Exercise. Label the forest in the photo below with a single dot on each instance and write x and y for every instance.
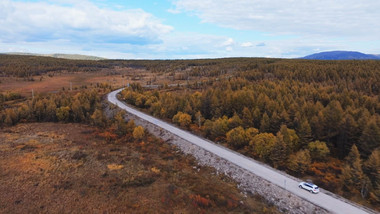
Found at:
(51, 141)
(317, 120)
(311, 118)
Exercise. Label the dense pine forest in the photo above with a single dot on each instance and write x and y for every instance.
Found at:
(310, 118)
(314, 119)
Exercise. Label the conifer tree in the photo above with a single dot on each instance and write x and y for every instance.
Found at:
(370, 138)
(372, 169)
(247, 118)
(279, 153)
(333, 115)
(318, 150)
(352, 173)
(265, 123)
(304, 133)
(348, 135)
(299, 162)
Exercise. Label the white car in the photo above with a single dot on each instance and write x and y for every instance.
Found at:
(309, 186)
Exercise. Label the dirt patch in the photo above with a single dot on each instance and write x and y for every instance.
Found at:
(68, 168)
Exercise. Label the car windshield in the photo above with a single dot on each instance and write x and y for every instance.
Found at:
(315, 187)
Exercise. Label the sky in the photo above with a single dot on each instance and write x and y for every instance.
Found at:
(187, 29)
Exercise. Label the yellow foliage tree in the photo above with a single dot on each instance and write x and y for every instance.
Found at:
(300, 161)
(263, 145)
(138, 133)
(318, 150)
(182, 119)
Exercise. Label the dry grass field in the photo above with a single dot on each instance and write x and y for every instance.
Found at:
(117, 77)
(69, 168)
(53, 84)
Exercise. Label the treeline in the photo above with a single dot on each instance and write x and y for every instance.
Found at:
(361, 76)
(83, 107)
(9, 96)
(27, 66)
(303, 128)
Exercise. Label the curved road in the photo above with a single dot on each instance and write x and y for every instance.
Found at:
(321, 199)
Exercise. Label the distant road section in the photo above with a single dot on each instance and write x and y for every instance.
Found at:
(321, 199)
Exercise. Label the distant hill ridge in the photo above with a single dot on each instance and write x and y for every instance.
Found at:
(342, 55)
(62, 56)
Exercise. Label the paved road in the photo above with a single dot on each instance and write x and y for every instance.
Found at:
(321, 199)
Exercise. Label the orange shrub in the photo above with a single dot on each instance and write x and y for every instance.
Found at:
(199, 201)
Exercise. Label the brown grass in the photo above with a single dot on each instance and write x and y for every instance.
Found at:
(117, 77)
(57, 82)
(68, 168)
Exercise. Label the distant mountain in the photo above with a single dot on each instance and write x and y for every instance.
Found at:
(62, 56)
(341, 55)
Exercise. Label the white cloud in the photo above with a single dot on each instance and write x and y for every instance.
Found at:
(229, 49)
(78, 22)
(178, 45)
(314, 17)
(246, 44)
(173, 11)
(193, 45)
(228, 42)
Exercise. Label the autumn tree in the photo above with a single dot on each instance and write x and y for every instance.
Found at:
(121, 126)
(274, 123)
(250, 133)
(25, 114)
(199, 118)
(77, 111)
(10, 117)
(39, 109)
(237, 138)
(299, 162)
(130, 126)
(247, 118)
(290, 138)
(263, 145)
(318, 150)
(182, 119)
(372, 169)
(234, 121)
(98, 118)
(370, 138)
(333, 115)
(265, 123)
(348, 135)
(317, 125)
(219, 127)
(50, 111)
(304, 133)
(279, 154)
(138, 133)
(352, 173)
(63, 113)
